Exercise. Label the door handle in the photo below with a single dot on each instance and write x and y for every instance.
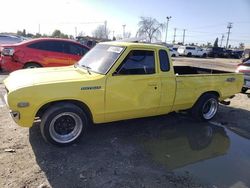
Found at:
(230, 79)
(152, 84)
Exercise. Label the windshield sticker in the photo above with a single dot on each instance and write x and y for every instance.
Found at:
(115, 49)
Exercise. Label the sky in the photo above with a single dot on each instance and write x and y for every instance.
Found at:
(202, 20)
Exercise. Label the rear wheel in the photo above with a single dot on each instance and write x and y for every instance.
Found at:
(206, 107)
(31, 65)
(189, 54)
(63, 124)
(204, 55)
(173, 55)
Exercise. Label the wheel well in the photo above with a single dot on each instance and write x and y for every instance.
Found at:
(210, 92)
(32, 62)
(80, 104)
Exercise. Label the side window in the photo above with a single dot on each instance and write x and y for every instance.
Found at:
(164, 61)
(77, 50)
(190, 48)
(54, 46)
(138, 62)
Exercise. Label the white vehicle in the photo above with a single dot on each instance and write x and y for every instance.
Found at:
(192, 51)
(9, 39)
(173, 53)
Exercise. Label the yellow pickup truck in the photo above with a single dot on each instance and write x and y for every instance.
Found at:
(114, 81)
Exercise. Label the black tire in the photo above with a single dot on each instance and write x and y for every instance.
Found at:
(206, 107)
(189, 54)
(173, 55)
(244, 90)
(204, 55)
(31, 65)
(63, 124)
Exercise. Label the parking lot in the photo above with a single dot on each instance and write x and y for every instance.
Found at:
(165, 151)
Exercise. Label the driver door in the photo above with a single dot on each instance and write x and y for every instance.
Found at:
(133, 90)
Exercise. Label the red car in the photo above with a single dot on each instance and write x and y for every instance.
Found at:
(43, 52)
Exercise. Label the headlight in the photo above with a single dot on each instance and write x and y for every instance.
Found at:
(8, 51)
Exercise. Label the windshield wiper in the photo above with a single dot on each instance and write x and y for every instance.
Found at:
(87, 68)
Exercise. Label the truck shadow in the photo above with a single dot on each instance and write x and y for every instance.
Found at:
(235, 119)
(136, 152)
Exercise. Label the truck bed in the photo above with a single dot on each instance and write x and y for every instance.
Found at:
(184, 70)
(191, 82)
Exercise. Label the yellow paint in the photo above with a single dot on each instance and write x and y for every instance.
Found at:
(117, 97)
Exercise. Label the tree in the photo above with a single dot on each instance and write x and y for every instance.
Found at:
(101, 32)
(127, 35)
(241, 45)
(209, 44)
(216, 42)
(38, 35)
(149, 28)
(58, 34)
(24, 33)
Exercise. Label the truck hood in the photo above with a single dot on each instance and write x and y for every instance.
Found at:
(30, 77)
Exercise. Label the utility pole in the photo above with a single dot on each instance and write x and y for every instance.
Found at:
(75, 32)
(222, 37)
(105, 27)
(229, 26)
(168, 18)
(174, 35)
(183, 39)
(123, 30)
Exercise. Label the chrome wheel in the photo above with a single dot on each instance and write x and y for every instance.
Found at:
(65, 127)
(210, 108)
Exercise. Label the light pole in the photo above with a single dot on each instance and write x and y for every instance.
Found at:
(123, 30)
(168, 18)
(229, 26)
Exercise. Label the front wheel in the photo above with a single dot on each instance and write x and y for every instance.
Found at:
(206, 107)
(31, 66)
(204, 55)
(63, 124)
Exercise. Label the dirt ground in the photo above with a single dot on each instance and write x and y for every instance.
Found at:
(165, 151)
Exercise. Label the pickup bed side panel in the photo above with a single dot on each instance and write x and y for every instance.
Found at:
(191, 87)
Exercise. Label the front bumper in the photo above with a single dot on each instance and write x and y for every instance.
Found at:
(14, 114)
(7, 64)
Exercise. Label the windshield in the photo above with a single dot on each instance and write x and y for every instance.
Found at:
(101, 58)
